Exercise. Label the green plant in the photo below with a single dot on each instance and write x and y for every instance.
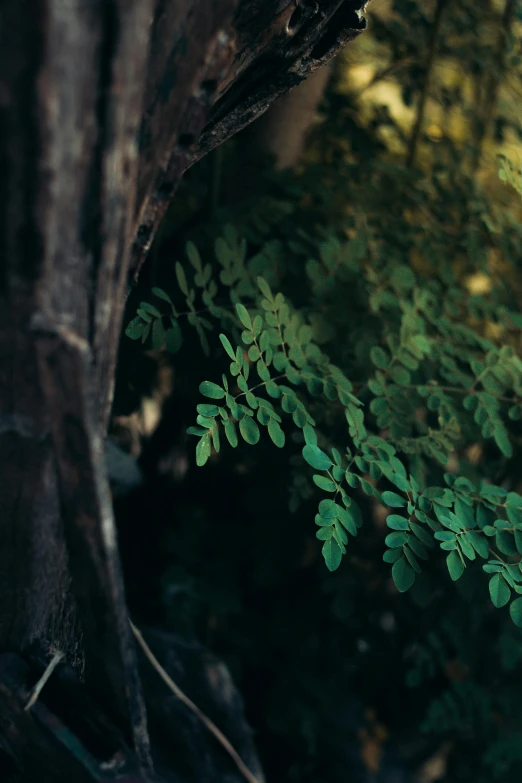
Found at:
(400, 292)
(510, 174)
(380, 374)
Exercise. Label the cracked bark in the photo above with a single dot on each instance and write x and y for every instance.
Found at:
(103, 105)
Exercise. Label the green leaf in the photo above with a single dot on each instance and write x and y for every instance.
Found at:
(403, 575)
(249, 430)
(514, 515)
(455, 565)
(158, 334)
(207, 410)
(401, 375)
(276, 433)
(501, 436)
(263, 416)
(231, 433)
(244, 317)
(252, 400)
(518, 541)
(324, 483)
(366, 487)
(379, 357)
(322, 521)
(151, 309)
(212, 390)
(499, 591)
(466, 548)
(470, 402)
(325, 533)
(316, 458)
(227, 346)
(396, 522)
(135, 329)
(300, 419)
(203, 421)
(421, 534)
(479, 544)
(434, 493)
(375, 387)
(328, 509)
(392, 555)
(514, 500)
(309, 435)
(215, 438)
(262, 370)
(203, 451)
(394, 540)
(493, 568)
(346, 519)
(339, 533)
(445, 535)
(181, 278)
(505, 542)
(193, 255)
(265, 288)
(515, 610)
(335, 452)
(174, 339)
(196, 431)
(332, 554)
(393, 499)
(412, 560)
(417, 547)
(161, 294)
(401, 482)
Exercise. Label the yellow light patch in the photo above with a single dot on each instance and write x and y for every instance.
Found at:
(478, 284)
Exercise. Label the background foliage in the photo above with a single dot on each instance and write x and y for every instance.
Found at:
(369, 307)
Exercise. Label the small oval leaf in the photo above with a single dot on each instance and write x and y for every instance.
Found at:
(332, 554)
(403, 575)
(316, 458)
(212, 390)
(499, 591)
(249, 430)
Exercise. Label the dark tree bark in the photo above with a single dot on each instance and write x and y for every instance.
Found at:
(103, 105)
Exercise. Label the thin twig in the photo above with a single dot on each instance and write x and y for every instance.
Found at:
(57, 657)
(176, 690)
(421, 108)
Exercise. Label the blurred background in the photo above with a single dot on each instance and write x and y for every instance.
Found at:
(343, 678)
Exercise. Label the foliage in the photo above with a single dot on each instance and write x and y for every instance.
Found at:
(401, 356)
(361, 318)
(510, 174)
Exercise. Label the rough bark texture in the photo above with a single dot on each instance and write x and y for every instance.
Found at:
(66, 739)
(103, 105)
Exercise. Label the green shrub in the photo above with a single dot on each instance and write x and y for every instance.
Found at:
(380, 371)
(363, 318)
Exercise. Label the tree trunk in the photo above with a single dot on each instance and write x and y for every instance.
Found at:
(283, 128)
(103, 105)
